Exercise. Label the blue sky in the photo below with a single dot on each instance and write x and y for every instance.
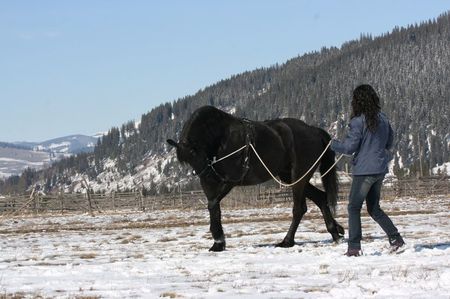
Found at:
(69, 67)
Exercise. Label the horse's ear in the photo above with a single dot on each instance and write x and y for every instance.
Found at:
(172, 142)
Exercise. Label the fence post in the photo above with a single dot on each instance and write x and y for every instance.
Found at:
(258, 198)
(113, 195)
(141, 197)
(138, 199)
(181, 197)
(88, 196)
(34, 199)
(61, 198)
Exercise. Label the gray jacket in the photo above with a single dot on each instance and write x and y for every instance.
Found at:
(371, 151)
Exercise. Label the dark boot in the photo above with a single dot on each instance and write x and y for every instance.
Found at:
(353, 252)
(396, 242)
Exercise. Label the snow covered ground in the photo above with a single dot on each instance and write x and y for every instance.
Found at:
(165, 254)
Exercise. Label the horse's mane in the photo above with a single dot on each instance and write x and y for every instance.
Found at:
(205, 129)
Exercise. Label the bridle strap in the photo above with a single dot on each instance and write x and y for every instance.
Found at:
(246, 165)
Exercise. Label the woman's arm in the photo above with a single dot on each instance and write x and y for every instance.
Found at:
(351, 143)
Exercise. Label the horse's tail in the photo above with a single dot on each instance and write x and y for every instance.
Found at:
(330, 180)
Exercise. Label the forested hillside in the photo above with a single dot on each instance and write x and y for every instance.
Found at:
(409, 67)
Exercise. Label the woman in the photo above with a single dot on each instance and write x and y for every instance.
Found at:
(369, 139)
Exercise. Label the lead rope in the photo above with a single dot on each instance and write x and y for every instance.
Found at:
(334, 164)
(214, 161)
(292, 184)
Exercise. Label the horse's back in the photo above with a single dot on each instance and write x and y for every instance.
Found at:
(306, 141)
(301, 130)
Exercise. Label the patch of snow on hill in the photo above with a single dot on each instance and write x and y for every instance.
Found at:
(61, 147)
(157, 170)
(443, 169)
(14, 161)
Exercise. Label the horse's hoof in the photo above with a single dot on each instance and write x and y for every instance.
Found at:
(217, 247)
(286, 244)
(340, 229)
(339, 240)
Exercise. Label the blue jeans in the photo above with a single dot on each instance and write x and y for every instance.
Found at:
(366, 187)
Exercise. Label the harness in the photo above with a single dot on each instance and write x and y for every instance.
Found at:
(249, 136)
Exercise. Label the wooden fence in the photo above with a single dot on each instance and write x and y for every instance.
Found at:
(254, 196)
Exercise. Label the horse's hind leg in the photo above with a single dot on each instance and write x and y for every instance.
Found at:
(320, 199)
(298, 211)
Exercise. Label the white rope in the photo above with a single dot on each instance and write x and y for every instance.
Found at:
(214, 161)
(292, 184)
(271, 174)
(336, 162)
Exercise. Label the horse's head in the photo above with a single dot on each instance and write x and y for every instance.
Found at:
(201, 136)
(190, 154)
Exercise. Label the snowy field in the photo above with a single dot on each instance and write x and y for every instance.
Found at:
(165, 254)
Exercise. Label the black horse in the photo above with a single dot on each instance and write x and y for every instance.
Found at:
(288, 147)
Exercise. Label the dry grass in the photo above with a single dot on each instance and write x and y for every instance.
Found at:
(323, 269)
(170, 295)
(14, 296)
(170, 222)
(317, 289)
(130, 239)
(88, 255)
(134, 238)
(21, 295)
(167, 239)
(49, 264)
(138, 256)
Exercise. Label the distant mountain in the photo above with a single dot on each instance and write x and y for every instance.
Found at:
(14, 160)
(17, 156)
(14, 145)
(72, 144)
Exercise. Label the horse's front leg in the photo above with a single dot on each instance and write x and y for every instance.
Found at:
(215, 221)
(215, 192)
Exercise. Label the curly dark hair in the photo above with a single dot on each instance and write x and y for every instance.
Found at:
(366, 101)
